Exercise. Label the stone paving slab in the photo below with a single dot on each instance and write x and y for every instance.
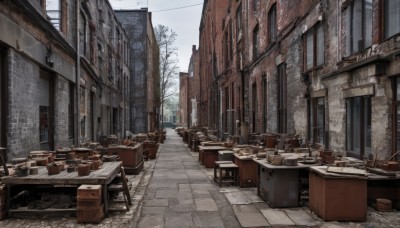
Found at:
(153, 210)
(277, 217)
(207, 219)
(205, 204)
(301, 218)
(237, 198)
(249, 216)
(148, 221)
(178, 220)
(156, 203)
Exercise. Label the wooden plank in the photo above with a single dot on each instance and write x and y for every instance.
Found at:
(346, 170)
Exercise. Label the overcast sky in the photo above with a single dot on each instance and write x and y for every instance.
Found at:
(185, 21)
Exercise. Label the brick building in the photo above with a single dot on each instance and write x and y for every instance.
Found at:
(189, 91)
(65, 74)
(324, 68)
(144, 63)
(210, 43)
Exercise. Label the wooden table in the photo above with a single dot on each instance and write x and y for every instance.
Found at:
(338, 197)
(209, 154)
(279, 185)
(247, 171)
(103, 176)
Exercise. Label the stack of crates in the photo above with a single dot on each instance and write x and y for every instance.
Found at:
(90, 208)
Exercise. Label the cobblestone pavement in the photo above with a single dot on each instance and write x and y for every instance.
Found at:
(175, 191)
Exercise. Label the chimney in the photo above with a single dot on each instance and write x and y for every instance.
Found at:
(193, 48)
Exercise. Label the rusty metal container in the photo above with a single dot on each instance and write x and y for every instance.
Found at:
(338, 198)
(279, 187)
(83, 169)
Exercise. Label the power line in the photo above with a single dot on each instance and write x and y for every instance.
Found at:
(177, 8)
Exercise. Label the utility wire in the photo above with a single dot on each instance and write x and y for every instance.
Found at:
(177, 8)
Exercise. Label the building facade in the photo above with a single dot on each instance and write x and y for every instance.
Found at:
(189, 90)
(145, 94)
(326, 69)
(65, 74)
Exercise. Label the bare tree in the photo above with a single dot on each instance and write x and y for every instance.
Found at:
(166, 39)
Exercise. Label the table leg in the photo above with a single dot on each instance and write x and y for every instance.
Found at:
(105, 198)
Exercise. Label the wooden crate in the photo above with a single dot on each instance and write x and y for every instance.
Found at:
(95, 215)
(89, 191)
(85, 203)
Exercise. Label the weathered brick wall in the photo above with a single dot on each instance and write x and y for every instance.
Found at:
(23, 116)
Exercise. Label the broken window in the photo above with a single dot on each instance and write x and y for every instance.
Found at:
(314, 47)
(392, 17)
(358, 26)
(272, 25)
(255, 42)
(316, 120)
(282, 96)
(358, 127)
(53, 10)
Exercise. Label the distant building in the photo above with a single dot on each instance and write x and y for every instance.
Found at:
(189, 91)
(145, 84)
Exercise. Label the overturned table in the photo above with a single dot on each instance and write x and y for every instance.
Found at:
(102, 176)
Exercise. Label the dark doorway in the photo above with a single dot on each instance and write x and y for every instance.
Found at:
(46, 110)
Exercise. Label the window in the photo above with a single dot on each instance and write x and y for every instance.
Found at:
(71, 112)
(272, 24)
(264, 95)
(3, 104)
(392, 17)
(396, 109)
(255, 42)
(254, 106)
(282, 128)
(53, 10)
(44, 107)
(358, 26)
(255, 4)
(239, 23)
(316, 120)
(83, 34)
(226, 108)
(230, 39)
(358, 127)
(314, 47)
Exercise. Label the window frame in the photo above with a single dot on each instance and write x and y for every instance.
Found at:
(365, 113)
(256, 42)
(349, 37)
(239, 23)
(282, 98)
(316, 131)
(316, 52)
(386, 17)
(272, 24)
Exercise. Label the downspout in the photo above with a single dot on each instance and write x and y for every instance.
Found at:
(78, 66)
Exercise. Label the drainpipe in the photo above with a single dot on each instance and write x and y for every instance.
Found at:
(77, 79)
